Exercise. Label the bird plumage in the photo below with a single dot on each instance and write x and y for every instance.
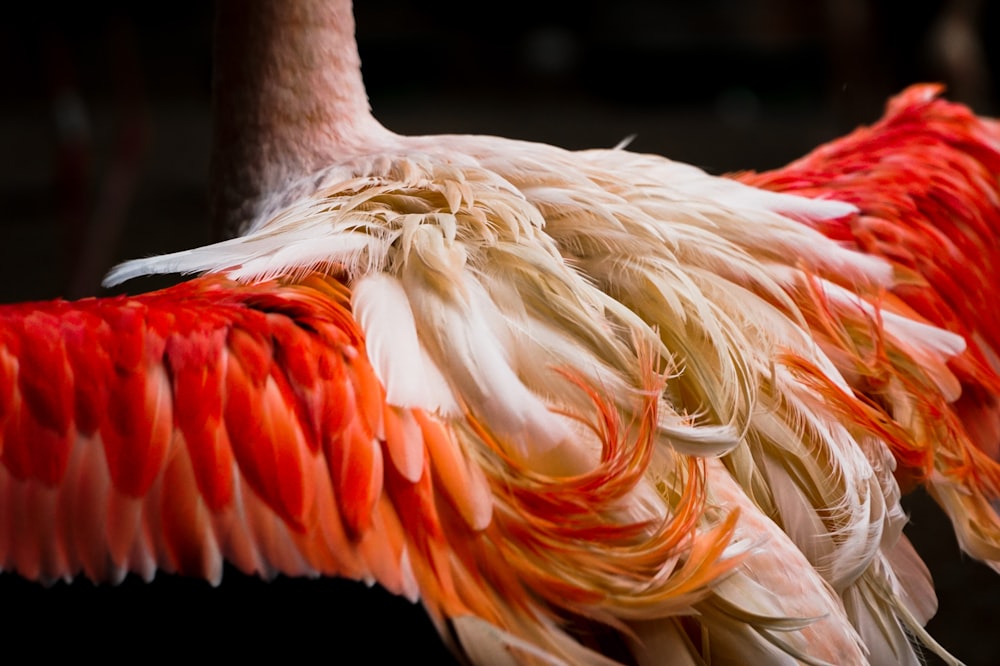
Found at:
(558, 397)
(938, 229)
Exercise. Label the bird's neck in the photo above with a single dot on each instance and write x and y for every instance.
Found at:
(288, 98)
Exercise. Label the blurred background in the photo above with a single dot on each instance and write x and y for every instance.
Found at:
(104, 136)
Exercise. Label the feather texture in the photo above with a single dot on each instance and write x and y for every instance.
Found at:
(559, 398)
(938, 228)
(581, 260)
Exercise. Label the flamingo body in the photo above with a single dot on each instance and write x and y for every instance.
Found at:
(583, 406)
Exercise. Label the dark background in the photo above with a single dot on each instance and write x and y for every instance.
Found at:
(104, 134)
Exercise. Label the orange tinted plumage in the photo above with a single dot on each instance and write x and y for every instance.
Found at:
(437, 367)
(924, 181)
(243, 423)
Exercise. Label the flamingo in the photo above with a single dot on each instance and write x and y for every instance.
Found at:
(583, 406)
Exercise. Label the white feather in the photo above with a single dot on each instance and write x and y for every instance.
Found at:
(478, 369)
(918, 334)
(410, 377)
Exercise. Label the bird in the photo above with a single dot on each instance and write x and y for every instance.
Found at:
(583, 406)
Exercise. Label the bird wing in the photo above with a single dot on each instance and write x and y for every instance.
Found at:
(924, 182)
(205, 422)
(222, 422)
